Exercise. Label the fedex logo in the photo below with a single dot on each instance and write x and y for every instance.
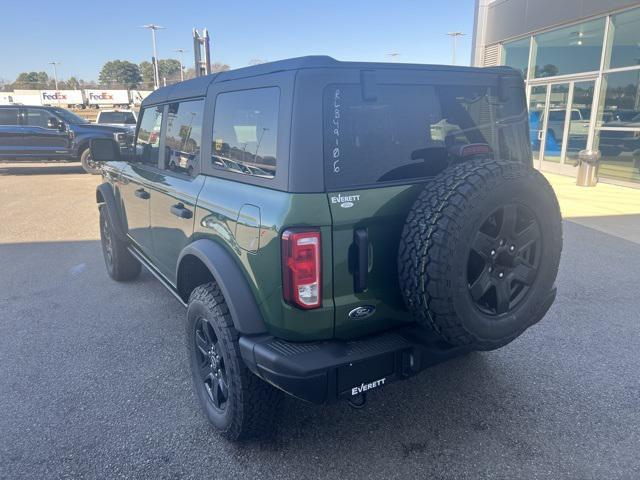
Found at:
(100, 96)
(53, 96)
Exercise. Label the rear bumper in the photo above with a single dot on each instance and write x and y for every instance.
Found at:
(323, 372)
(327, 371)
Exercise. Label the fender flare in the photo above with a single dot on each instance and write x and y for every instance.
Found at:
(243, 308)
(104, 195)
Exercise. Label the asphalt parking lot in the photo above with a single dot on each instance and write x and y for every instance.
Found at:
(94, 379)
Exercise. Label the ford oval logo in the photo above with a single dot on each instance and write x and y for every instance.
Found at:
(362, 312)
(346, 204)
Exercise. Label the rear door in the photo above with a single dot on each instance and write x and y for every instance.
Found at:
(382, 142)
(10, 132)
(39, 138)
(179, 183)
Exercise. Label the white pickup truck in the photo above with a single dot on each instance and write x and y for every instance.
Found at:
(578, 126)
(118, 118)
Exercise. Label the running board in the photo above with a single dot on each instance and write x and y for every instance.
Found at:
(141, 258)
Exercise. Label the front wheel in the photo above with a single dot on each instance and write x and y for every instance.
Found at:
(88, 164)
(120, 263)
(236, 402)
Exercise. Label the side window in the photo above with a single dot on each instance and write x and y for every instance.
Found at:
(184, 136)
(147, 148)
(245, 132)
(37, 117)
(8, 116)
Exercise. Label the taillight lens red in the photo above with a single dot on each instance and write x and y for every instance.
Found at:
(301, 268)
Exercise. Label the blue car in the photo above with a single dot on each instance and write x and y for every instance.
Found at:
(37, 132)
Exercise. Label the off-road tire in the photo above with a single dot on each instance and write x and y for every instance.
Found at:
(121, 265)
(87, 164)
(252, 404)
(434, 252)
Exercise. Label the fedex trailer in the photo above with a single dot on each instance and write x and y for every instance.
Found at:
(62, 98)
(6, 98)
(27, 97)
(113, 98)
(137, 96)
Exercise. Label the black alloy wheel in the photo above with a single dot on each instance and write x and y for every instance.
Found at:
(504, 259)
(212, 369)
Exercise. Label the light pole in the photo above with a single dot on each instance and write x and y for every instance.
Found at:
(55, 73)
(180, 51)
(55, 78)
(156, 74)
(454, 36)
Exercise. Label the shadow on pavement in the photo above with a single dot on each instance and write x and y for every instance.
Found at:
(625, 226)
(559, 402)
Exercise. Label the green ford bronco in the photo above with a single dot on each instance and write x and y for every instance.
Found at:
(332, 227)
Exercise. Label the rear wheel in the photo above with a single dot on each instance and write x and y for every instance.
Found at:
(480, 252)
(236, 402)
(88, 164)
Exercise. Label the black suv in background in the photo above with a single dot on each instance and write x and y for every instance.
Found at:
(36, 132)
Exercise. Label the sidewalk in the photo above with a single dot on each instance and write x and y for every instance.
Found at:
(608, 208)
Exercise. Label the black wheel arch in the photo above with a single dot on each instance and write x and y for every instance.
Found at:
(82, 146)
(205, 260)
(106, 196)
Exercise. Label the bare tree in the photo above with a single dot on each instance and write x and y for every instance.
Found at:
(219, 67)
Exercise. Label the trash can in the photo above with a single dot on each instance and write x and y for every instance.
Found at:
(588, 162)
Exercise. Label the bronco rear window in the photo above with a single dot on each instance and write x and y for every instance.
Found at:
(409, 132)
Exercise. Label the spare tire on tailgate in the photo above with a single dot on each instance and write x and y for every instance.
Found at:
(479, 252)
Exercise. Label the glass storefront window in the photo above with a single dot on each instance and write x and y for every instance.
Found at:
(625, 48)
(574, 49)
(621, 104)
(516, 55)
(620, 154)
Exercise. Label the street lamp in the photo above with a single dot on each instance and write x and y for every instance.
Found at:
(55, 73)
(393, 55)
(55, 79)
(181, 51)
(156, 73)
(454, 36)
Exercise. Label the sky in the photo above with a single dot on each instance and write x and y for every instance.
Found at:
(83, 35)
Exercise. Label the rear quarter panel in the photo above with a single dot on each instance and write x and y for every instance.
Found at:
(220, 217)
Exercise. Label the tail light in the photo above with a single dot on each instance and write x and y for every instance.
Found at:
(301, 268)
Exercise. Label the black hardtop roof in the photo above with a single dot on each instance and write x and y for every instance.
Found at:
(197, 87)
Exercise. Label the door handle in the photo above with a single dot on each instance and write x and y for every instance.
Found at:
(361, 242)
(179, 210)
(540, 135)
(142, 193)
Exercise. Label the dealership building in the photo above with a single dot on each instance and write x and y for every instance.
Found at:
(581, 63)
